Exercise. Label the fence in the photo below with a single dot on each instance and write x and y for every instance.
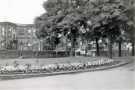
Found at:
(115, 53)
(50, 54)
(32, 54)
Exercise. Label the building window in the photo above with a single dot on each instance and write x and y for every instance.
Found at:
(34, 30)
(3, 31)
(2, 44)
(29, 31)
(29, 45)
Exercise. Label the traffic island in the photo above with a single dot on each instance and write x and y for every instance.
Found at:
(28, 71)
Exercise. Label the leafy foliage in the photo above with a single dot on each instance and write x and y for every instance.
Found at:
(89, 19)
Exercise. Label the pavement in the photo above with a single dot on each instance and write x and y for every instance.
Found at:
(120, 78)
(103, 80)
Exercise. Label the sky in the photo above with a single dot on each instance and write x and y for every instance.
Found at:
(20, 11)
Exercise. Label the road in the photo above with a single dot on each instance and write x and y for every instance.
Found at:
(121, 78)
(128, 67)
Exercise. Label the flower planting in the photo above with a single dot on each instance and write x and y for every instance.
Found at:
(17, 68)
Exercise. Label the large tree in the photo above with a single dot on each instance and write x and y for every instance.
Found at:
(109, 16)
(131, 24)
(68, 17)
(128, 27)
(63, 17)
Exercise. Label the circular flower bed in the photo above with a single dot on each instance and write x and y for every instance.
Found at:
(50, 68)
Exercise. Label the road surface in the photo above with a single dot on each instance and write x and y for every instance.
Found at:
(121, 78)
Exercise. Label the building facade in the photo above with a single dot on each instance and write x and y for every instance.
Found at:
(8, 35)
(26, 37)
(20, 37)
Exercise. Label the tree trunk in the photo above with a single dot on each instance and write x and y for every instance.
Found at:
(86, 48)
(72, 52)
(67, 52)
(110, 47)
(133, 49)
(97, 47)
(119, 49)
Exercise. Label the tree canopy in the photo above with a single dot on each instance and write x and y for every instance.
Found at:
(88, 18)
